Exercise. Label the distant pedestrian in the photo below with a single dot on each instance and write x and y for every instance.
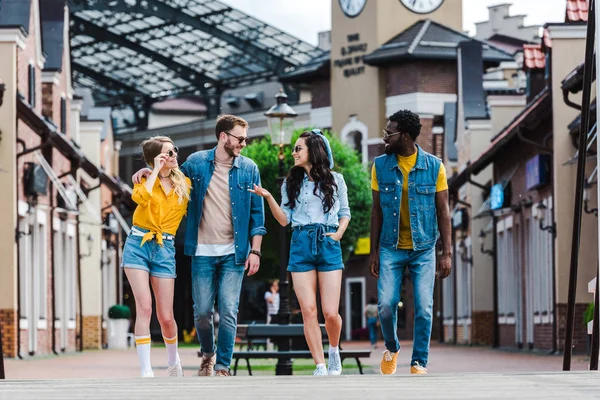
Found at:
(372, 321)
(272, 300)
(149, 251)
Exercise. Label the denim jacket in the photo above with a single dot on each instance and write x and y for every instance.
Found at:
(299, 215)
(421, 201)
(247, 209)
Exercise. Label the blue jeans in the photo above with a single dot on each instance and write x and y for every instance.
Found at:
(392, 265)
(212, 276)
(372, 325)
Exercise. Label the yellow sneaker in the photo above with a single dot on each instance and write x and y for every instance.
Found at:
(388, 363)
(417, 369)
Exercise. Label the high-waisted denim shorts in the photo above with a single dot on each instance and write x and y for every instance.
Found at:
(311, 250)
(157, 260)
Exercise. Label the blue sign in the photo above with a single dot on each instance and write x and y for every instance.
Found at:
(497, 196)
(537, 171)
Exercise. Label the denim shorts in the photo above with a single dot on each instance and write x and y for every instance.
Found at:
(311, 250)
(157, 260)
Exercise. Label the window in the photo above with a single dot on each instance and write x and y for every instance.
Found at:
(63, 115)
(40, 268)
(25, 253)
(32, 85)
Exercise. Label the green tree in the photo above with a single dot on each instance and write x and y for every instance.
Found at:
(346, 162)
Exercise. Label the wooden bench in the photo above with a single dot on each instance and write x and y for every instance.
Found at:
(293, 333)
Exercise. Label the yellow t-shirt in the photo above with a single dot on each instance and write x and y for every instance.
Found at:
(406, 164)
(156, 211)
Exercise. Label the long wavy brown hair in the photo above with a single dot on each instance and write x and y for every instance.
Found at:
(320, 173)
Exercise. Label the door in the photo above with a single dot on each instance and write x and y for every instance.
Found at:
(355, 304)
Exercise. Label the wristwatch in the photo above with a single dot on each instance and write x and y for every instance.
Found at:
(257, 252)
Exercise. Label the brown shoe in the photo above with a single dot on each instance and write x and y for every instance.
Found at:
(222, 372)
(207, 366)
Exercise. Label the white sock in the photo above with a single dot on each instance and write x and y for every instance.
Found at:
(320, 366)
(172, 356)
(333, 349)
(143, 344)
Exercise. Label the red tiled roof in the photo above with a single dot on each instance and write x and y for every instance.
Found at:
(577, 11)
(534, 58)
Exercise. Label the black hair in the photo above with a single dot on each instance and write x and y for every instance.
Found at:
(320, 173)
(408, 122)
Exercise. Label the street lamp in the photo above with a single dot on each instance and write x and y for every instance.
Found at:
(541, 208)
(280, 118)
(482, 249)
(586, 198)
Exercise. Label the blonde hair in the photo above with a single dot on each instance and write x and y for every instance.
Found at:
(150, 149)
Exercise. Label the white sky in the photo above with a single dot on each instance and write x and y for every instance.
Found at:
(305, 18)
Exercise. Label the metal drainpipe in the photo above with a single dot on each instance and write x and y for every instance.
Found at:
(80, 297)
(17, 239)
(576, 233)
(496, 326)
(454, 287)
(53, 269)
(554, 300)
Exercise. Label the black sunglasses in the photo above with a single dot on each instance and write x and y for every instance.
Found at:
(173, 152)
(239, 138)
(296, 149)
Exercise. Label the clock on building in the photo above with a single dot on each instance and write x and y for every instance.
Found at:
(422, 6)
(352, 7)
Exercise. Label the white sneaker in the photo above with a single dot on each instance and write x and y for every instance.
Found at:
(175, 370)
(335, 363)
(320, 371)
(148, 374)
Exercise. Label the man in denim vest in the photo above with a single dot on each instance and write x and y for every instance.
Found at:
(410, 198)
(224, 230)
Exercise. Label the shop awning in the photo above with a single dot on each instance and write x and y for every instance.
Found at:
(120, 219)
(69, 149)
(89, 208)
(458, 180)
(486, 207)
(63, 192)
(538, 108)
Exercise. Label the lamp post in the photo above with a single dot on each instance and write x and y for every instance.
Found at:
(280, 118)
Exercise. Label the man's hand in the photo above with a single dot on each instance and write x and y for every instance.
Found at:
(252, 264)
(444, 266)
(142, 173)
(374, 265)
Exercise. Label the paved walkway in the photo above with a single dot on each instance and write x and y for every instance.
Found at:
(571, 385)
(456, 372)
(443, 359)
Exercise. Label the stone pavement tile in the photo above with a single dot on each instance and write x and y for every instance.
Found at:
(547, 386)
(442, 359)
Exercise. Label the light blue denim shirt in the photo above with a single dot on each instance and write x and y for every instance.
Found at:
(301, 214)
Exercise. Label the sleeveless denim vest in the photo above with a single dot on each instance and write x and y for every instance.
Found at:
(421, 199)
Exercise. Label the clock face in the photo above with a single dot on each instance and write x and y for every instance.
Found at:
(352, 7)
(422, 6)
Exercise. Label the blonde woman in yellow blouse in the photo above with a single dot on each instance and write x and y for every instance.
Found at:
(149, 251)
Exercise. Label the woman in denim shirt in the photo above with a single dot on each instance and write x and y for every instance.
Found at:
(315, 200)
